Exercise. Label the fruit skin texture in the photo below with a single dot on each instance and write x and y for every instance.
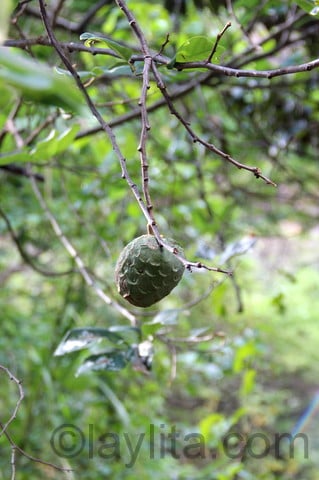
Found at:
(145, 272)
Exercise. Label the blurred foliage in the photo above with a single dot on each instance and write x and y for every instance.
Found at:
(231, 355)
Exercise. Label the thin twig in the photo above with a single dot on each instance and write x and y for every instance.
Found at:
(218, 38)
(145, 123)
(31, 457)
(144, 135)
(56, 12)
(162, 87)
(152, 226)
(235, 72)
(18, 403)
(210, 146)
(68, 46)
(108, 130)
(135, 113)
(232, 12)
(13, 462)
(105, 126)
(166, 42)
(36, 131)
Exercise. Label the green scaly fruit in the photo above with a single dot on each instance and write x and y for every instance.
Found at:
(145, 272)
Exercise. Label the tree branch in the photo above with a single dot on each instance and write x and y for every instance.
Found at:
(4, 430)
(234, 72)
(69, 46)
(125, 174)
(19, 401)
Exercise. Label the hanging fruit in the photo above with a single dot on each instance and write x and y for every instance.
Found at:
(146, 272)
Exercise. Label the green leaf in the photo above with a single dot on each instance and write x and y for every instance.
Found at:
(55, 143)
(91, 39)
(121, 69)
(112, 361)
(37, 82)
(194, 49)
(84, 75)
(243, 354)
(80, 338)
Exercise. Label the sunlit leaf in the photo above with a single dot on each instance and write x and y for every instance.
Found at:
(309, 6)
(194, 49)
(80, 338)
(119, 69)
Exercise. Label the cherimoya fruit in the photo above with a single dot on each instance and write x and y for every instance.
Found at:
(145, 272)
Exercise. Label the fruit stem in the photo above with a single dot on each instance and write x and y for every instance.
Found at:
(150, 229)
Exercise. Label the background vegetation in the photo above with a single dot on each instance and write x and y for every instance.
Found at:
(231, 353)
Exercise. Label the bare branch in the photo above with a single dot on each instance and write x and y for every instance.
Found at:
(161, 85)
(16, 447)
(68, 46)
(255, 170)
(135, 113)
(234, 72)
(125, 174)
(218, 39)
(105, 126)
(143, 138)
